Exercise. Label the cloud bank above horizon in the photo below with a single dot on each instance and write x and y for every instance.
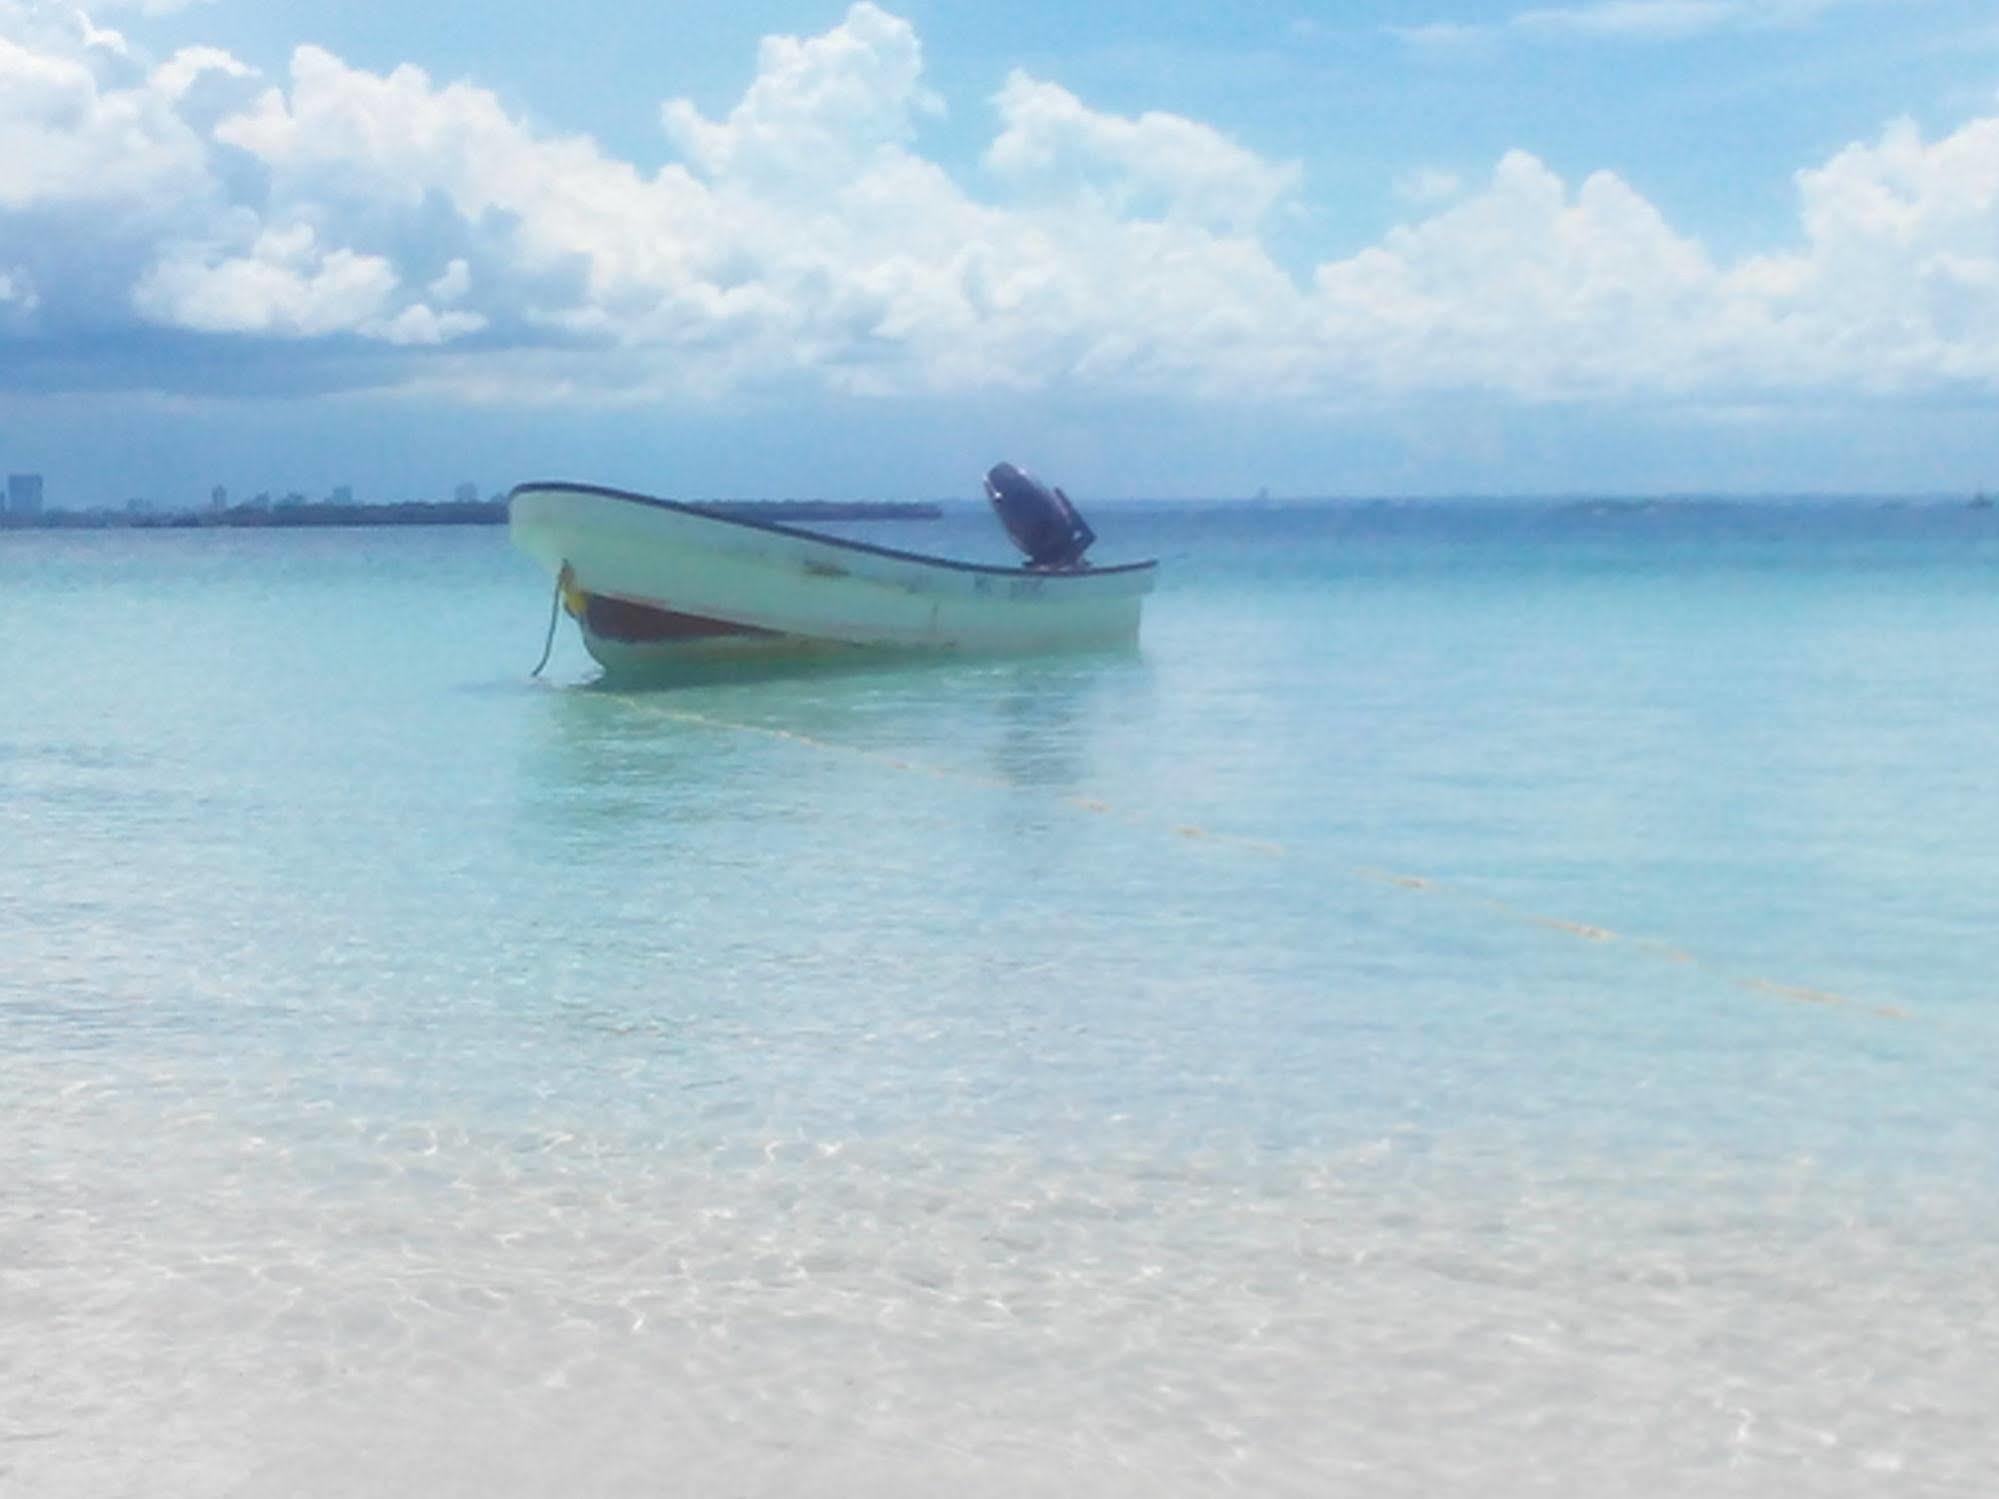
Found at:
(382, 231)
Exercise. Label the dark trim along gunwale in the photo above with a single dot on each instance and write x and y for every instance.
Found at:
(628, 497)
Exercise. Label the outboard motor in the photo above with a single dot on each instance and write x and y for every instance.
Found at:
(1041, 521)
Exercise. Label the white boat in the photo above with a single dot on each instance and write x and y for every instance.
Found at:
(657, 583)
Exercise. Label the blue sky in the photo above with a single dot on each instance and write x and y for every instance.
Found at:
(1366, 248)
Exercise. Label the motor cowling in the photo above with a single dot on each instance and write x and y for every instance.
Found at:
(1041, 520)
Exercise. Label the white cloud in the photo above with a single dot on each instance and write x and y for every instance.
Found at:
(149, 7)
(69, 136)
(1897, 282)
(175, 77)
(561, 237)
(454, 283)
(1428, 186)
(817, 108)
(285, 284)
(17, 292)
(420, 324)
(1643, 20)
(1619, 21)
(804, 236)
(1524, 286)
(1445, 37)
(1157, 165)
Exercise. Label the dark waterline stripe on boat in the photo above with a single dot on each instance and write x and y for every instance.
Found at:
(640, 624)
(558, 486)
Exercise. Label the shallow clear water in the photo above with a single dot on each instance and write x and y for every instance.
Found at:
(1487, 1000)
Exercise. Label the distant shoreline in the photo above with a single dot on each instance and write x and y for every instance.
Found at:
(292, 515)
(432, 513)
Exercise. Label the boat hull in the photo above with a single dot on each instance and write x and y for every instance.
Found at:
(654, 583)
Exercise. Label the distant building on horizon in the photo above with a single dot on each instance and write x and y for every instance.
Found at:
(343, 494)
(218, 497)
(466, 493)
(24, 494)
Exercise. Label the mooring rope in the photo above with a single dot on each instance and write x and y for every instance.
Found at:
(1649, 947)
(554, 617)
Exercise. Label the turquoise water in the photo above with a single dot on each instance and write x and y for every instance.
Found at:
(1487, 999)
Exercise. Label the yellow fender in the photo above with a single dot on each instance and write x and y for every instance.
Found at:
(574, 599)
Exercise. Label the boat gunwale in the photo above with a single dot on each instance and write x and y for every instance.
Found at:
(778, 528)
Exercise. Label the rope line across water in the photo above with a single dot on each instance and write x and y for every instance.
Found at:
(1651, 947)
